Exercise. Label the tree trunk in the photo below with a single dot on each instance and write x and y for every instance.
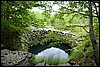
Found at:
(92, 36)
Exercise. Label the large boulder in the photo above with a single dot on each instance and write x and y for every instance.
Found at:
(64, 64)
(41, 64)
(15, 58)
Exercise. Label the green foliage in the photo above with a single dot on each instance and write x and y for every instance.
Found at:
(54, 38)
(37, 19)
(51, 60)
(96, 29)
(16, 16)
(33, 59)
(46, 14)
(26, 47)
(82, 51)
(76, 56)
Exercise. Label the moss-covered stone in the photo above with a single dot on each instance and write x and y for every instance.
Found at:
(51, 38)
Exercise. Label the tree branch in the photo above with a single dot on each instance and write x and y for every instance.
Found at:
(96, 2)
(96, 10)
(68, 9)
(92, 36)
(85, 29)
(54, 11)
(76, 11)
(84, 4)
(78, 26)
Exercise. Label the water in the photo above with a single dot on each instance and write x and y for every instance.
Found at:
(53, 51)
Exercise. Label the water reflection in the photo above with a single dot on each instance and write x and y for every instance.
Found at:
(53, 51)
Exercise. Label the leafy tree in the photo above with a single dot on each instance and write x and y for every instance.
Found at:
(87, 9)
(75, 16)
(15, 17)
(15, 14)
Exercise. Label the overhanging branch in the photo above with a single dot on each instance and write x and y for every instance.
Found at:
(67, 13)
(68, 9)
(78, 26)
(84, 29)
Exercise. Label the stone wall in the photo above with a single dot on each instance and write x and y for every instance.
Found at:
(15, 58)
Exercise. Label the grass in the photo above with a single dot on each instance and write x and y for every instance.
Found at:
(51, 60)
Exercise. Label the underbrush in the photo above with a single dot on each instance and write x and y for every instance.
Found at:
(51, 60)
(83, 54)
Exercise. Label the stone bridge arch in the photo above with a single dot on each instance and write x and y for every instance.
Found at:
(38, 48)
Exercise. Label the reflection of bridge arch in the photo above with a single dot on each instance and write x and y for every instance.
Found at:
(38, 48)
